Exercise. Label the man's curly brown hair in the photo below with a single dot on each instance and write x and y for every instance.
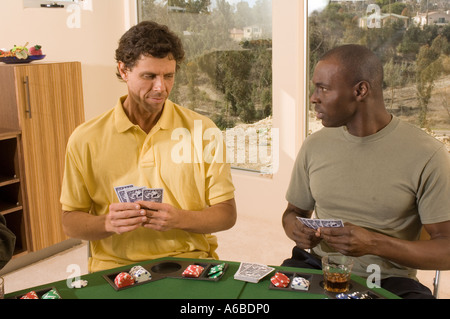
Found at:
(148, 38)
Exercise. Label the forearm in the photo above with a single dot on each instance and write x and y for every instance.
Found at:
(212, 219)
(426, 254)
(82, 225)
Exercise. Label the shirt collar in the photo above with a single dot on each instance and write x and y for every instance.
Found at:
(123, 123)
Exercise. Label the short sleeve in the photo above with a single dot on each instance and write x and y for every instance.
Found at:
(299, 192)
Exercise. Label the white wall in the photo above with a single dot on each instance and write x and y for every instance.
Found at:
(260, 199)
(93, 43)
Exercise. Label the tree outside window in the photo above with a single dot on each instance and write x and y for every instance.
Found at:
(413, 42)
(227, 74)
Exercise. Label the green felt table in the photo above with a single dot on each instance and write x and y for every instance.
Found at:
(183, 288)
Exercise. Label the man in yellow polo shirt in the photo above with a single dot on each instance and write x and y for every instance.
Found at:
(148, 141)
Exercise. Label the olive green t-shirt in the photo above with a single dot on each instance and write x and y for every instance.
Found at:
(390, 182)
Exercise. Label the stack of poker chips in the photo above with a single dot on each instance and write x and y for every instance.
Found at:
(123, 279)
(30, 295)
(216, 271)
(51, 294)
(280, 280)
(137, 274)
(140, 274)
(300, 283)
(354, 295)
(192, 271)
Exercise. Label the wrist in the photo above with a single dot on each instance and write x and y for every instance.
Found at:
(376, 244)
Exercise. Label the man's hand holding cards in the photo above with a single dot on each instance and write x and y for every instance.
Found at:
(131, 194)
(129, 214)
(317, 223)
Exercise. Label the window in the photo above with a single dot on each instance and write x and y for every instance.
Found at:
(227, 74)
(414, 50)
(52, 4)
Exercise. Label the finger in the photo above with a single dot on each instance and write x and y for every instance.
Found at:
(124, 206)
(335, 239)
(155, 224)
(151, 205)
(131, 221)
(333, 231)
(124, 214)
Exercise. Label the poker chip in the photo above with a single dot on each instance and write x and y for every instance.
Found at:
(79, 283)
(354, 295)
(31, 295)
(52, 294)
(216, 271)
(280, 280)
(192, 271)
(300, 283)
(216, 275)
(123, 279)
(140, 274)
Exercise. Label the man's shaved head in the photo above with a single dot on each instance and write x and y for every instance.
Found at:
(359, 63)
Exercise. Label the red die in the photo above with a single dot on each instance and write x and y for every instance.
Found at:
(124, 279)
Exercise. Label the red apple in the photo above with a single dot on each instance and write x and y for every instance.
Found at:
(36, 50)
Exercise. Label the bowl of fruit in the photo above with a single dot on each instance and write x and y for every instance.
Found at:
(21, 54)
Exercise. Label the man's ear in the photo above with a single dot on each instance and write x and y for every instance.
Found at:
(361, 90)
(122, 70)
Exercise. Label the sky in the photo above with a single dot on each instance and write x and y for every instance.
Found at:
(251, 2)
(316, 5)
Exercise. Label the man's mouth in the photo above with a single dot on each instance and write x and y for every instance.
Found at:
(319, 115)
(157, 99)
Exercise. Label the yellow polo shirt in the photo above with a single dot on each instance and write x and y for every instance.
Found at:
(178, 155)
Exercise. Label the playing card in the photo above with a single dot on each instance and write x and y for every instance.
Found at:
(121, 192)
(316, 223)
(332, 223)
(134, 194)
(130, 194)
(252, 272)
(153, 195)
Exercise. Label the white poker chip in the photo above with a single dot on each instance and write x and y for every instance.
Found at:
(300, 283)
(79, 283)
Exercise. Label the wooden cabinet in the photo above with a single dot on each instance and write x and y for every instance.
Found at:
(12, 206)
(44, 103)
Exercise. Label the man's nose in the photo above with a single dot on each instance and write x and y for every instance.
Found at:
(313, 99)
(158, 85)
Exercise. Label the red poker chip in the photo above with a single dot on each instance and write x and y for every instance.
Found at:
(123, 279)
(280, 280)
(31, 295)
(192, 271)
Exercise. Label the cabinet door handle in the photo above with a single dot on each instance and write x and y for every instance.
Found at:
(27, 90)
